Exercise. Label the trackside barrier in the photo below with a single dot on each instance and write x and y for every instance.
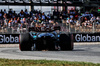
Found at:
(77, 37)
(9, 38)
(86, 37)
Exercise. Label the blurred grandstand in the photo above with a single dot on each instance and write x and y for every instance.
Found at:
(81, 20)
(71, 22)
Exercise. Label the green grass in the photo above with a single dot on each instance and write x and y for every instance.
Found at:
(7, 62)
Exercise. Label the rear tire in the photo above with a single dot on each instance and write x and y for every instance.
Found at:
(25, 44)
(66, 42)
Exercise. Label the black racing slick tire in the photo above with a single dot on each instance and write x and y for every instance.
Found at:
(66, 42)
(25, 44)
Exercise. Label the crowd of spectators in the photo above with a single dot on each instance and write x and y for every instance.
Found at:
(25, 18)
(86, 19)
(12, 18)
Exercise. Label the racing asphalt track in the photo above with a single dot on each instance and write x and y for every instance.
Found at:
(85, 53)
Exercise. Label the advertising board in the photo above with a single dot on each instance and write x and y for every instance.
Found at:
(86, 37)
(77, 37)
(9, 38)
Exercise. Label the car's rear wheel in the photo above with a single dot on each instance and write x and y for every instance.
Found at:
(66, 42)
(25, 44)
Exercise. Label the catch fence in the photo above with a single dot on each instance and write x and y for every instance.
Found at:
(65, 27)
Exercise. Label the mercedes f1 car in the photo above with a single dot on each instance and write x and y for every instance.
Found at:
(46, 38)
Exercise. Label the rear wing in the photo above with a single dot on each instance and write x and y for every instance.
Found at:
(44, 29)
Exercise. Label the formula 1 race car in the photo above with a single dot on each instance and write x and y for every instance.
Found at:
(45, 38)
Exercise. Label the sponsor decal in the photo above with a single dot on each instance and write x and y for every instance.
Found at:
(95, 37)
(9, 38)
